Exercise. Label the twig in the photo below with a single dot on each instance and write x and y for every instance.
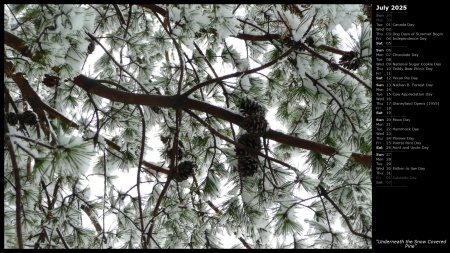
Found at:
(326, 215)
(245, 243)
(62, 239)
(346, 218)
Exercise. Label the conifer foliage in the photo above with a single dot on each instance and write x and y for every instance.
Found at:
(143, 126)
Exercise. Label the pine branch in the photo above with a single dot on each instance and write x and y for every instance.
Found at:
(130, 7)
(251, 37)
(29, 94)
(316, 82)
(116, 63)
(155, 8)
(18, 44)
(244, 243)
(156, 209)
(17, 185)
(206, 59)
(325, 194)
(237, 144)
(94, 221)
(138, 173)
(178, 48)
(346, 71)
(119, 14)
(94, 86)
(239, 73)
(62, 239)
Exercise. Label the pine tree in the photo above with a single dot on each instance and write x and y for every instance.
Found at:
(151, 126)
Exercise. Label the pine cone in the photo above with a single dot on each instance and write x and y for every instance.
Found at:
(255, 125)
(91, 47)
(309, 41)
(347, 56)
(355, 64)
(249, 107)
(334, 66)
(29, 118)
(248, 165)
(12, 118)
(184, 170)
(50, 81)
(348, 61)
(250, 141)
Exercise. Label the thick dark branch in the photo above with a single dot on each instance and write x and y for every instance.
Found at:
(266, 37)
(332, 49)
(119, 14)
(17, 44)
(97, 88)
(156, 168)
(154, 8)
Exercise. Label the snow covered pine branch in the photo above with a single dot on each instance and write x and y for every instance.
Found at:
(187, 126)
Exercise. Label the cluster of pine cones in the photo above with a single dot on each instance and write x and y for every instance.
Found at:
(28, 118)
(348, 60)
(256, 125)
